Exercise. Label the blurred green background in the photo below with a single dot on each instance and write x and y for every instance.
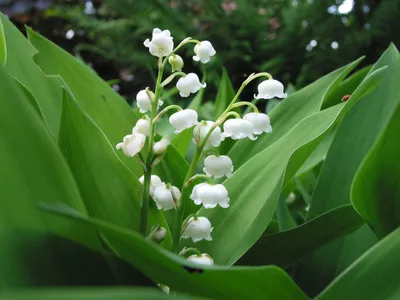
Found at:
(297, 41)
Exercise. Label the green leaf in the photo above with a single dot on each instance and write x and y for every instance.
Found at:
(216, 282)
(272, 103)
(375, 191)
(287, 247)
(285, 218)
(109, 189)
(107, 293)
(225, 94)
(288, 113)
(346, 87)
(32, 170)
(354, 137)
(96, 98)
(32, 100)
(182, 140)
(19, 64)
(319, 154)
(373, 276)
(102, 104)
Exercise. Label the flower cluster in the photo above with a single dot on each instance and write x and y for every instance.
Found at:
(207, 137)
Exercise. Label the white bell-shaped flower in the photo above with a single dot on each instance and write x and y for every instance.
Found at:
(161, 43)
(189, 84)
(155, 182)
(203, 51)
(161, 146)
(176, 62)
(144, 102)
(210, 195)
(167, 197)
(238, 129)
(132, 144)
(198, 228)
(270, 89)
(142, 126)
(260, 122)
(183, 119)
(218, 166)
(200, 132)
(203, 259)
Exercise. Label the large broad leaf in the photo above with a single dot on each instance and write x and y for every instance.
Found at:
(102, 104)
(355, 136)
(319, 154)
(290, 112)
(18, 54)
(287, 247)
(33, 170)
(224, 96)
(107, 109)
(376, 190)
(109, 189)
(373, 276)
(254, 188)
(92, 294)
(266, 283)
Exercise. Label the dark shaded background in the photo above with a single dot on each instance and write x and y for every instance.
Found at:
(297, 41)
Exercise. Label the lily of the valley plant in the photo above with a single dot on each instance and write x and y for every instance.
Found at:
(207, 136)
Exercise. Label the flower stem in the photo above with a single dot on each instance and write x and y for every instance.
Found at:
(148, 164)
(177, 107)
(188, 250)
(244, 103)
(181, 208)
(198, 176)
(171, 77)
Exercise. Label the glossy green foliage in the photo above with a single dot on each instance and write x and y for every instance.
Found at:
(372, 276)
(267, 282)
(60, 122)
(376, 190)
(288, 247)
(355, 136)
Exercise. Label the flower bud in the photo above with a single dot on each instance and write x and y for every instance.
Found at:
(200, 132)
(210, 195)
(269, 89)
(176, 62)
(158, 234)
(198, 228)
(203, 259)
(155, 182)
(238, 129)
(183, 119)
(161, 146)
(142, 126)
(203, 51)
(144, 102)
(167, 197)
(161, 43)
(132, 144)
(218, 166)
(189, 84)
(260, 122)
